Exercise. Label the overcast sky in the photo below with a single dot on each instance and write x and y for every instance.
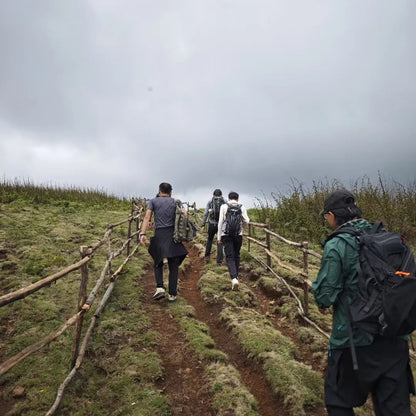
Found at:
(241, 95)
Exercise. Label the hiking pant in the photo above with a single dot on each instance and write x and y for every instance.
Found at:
(232, 247)
(212, 230)
(173, 264)
(383, 371)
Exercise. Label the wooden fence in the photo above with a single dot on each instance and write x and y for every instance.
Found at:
(265, 243)
(84, 303)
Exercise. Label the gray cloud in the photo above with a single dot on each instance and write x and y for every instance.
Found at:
(237, 94)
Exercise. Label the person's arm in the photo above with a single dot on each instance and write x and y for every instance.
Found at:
(146, 221)
(221, 219)
(329, 282)
(206, 212)
(246, 219)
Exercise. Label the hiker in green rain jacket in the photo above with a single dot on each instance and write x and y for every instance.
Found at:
(339, 271)
(383, 363)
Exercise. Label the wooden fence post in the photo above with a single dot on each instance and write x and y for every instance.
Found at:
(305, 247)
(81, 300)
(269, 259)
(137, 221)
(128, 237)
(249, 234)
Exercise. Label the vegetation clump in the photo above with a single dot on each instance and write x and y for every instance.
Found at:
(295, 213)
(230, 397)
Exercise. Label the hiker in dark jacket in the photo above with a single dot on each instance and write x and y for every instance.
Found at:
(383, 363)
(162, 248)
(211, 213)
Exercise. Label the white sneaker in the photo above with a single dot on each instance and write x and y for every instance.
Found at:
(159, 294)
(171, 298)
(234, 284)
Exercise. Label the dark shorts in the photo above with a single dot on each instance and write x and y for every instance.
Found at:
(383, 371)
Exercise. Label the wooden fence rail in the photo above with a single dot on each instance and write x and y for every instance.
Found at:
(84, 303)
(303, 307)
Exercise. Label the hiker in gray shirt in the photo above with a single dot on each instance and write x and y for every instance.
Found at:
(162, 248)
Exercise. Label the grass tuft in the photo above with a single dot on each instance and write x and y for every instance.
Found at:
(230, 396)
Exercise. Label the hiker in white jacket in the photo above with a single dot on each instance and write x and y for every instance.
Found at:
(230, 233)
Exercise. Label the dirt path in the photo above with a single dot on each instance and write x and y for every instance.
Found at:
(183, 373)
(250, 371)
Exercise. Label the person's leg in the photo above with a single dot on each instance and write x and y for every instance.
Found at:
(160, 289)
(159, 275)
(229, 255)
(220, 253)
(339, 411)
(343, 390)
(212, 229)
(392, 397)
(174, 263)
(220, 249)
(391, 394)
(238, 242)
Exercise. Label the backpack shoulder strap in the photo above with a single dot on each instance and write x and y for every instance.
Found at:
(377, 227)
(346, 230)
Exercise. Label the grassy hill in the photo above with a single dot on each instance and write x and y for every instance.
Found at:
(125, 371)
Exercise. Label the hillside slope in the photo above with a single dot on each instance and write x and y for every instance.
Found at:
(213, 352)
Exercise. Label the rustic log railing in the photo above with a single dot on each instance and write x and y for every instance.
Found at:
(84, 303)
(303, 307)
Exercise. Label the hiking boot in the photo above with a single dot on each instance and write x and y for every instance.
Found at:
(171, 298)
(159, 294)
(234, 284)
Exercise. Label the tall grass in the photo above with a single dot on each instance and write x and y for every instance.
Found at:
(296, 213)
(13, 190)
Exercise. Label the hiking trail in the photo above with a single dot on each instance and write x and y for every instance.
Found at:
(183, 379)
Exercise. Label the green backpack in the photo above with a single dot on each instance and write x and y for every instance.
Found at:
(185, 229)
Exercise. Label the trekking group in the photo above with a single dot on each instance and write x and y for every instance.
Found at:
(226, 219)
(171, 228)
(367, 279)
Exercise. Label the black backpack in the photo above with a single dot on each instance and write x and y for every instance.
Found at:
(233, 219)
(216, 203)
(385, 303)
